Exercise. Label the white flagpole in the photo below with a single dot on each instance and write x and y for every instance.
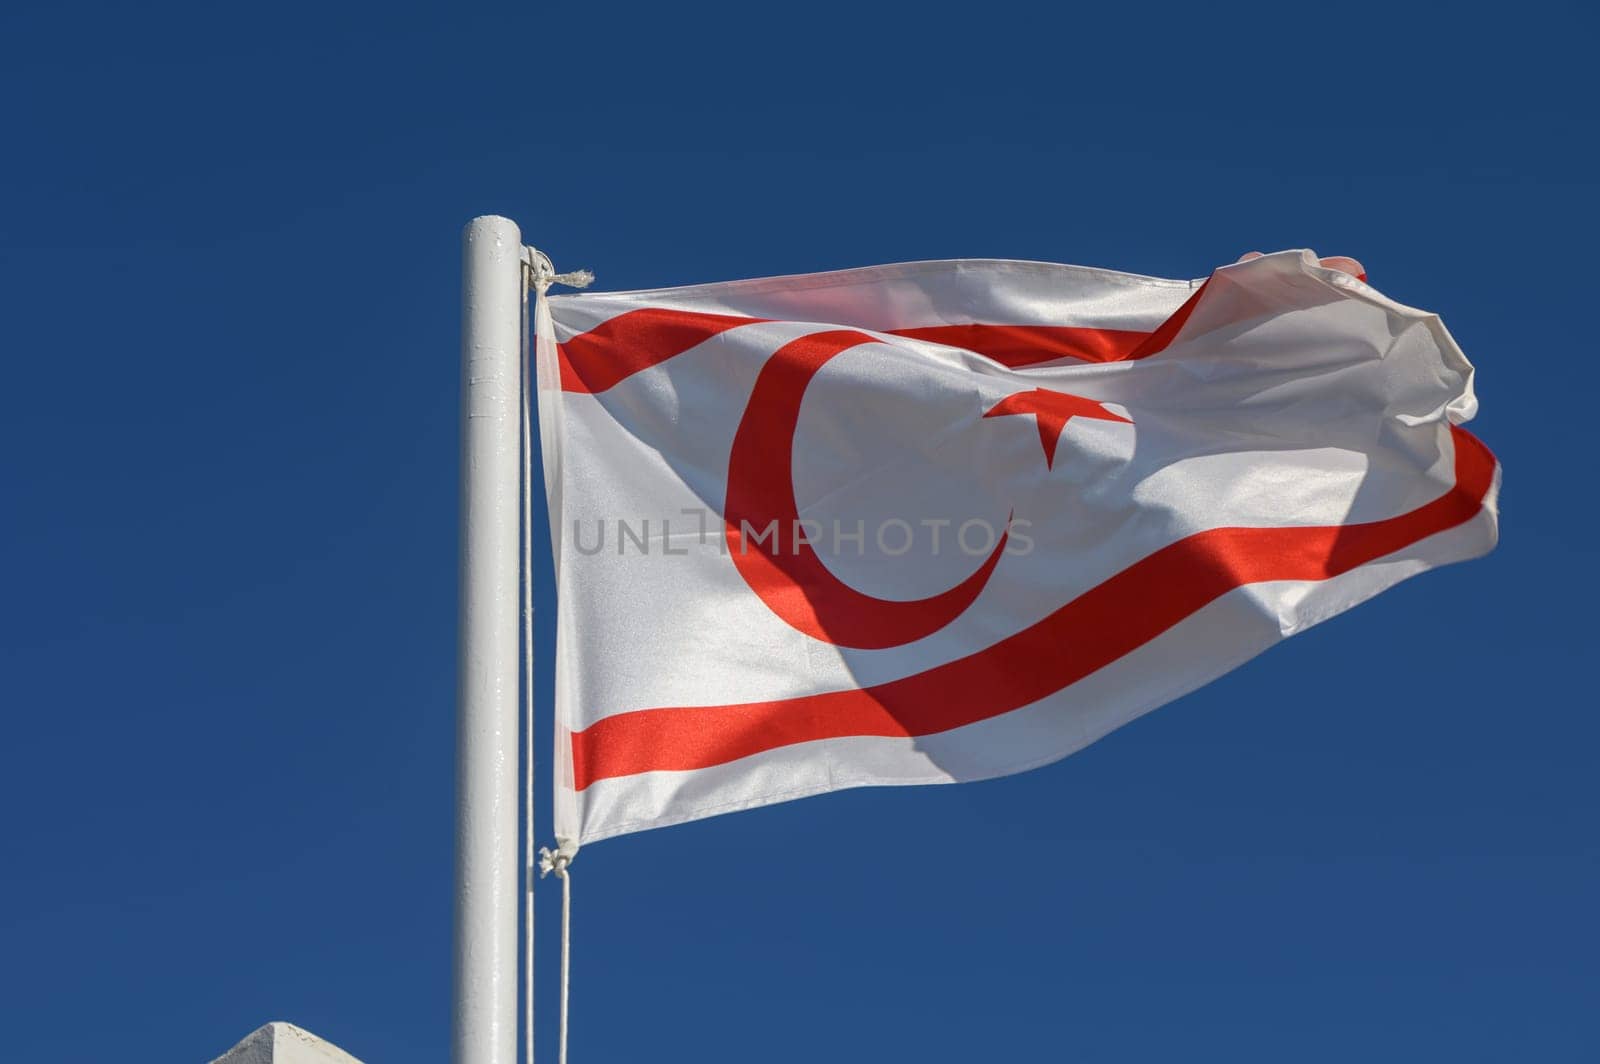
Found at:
(493, 288)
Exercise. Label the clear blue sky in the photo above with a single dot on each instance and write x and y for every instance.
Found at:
(229, 266)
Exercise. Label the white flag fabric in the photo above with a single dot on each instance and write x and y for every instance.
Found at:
(946, 521)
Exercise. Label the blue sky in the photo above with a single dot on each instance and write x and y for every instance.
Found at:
(229, 258)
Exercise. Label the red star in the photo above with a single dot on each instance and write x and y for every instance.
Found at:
(1053, 410)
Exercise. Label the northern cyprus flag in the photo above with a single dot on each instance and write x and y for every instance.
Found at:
(945, 521)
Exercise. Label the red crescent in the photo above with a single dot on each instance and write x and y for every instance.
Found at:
(783, 570)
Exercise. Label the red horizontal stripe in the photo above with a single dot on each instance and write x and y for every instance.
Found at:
(1088, 633)
(1027, 345)
(639, 339)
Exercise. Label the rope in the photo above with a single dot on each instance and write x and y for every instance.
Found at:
(545, 275)
(541, 275)
(527, 684)
(561, 864)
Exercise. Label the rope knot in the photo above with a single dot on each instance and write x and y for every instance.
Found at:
(542, 273)
(553, 861)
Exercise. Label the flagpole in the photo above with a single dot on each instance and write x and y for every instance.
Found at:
(485, 961)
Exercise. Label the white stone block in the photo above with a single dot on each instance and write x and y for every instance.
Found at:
(284, 1043)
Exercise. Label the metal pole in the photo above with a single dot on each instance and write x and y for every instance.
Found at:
(485, 974)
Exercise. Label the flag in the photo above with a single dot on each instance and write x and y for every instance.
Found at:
(946, 521)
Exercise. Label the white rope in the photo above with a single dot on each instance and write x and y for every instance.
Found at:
(527, 684)
(545, 275)
(541, 275)
(561, 864)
